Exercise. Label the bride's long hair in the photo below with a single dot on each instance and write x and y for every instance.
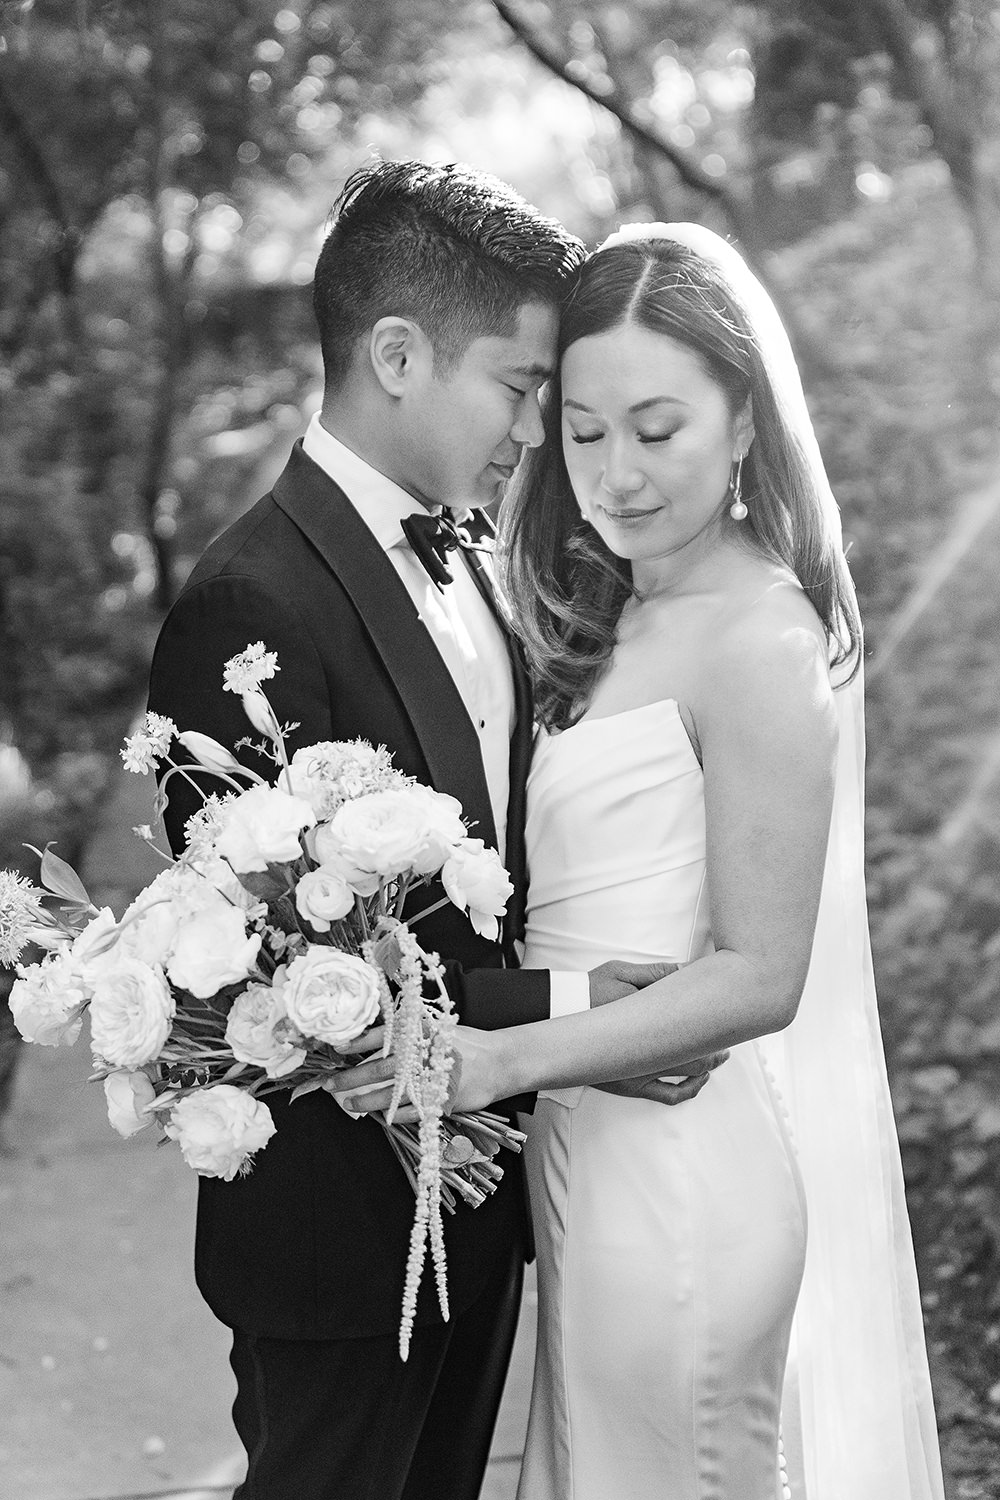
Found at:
(566, 587)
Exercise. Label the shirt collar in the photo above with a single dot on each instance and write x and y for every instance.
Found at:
(381, 503)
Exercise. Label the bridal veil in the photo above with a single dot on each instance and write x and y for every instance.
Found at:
(857, 1415)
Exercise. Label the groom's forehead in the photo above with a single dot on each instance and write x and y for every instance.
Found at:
(528, 352)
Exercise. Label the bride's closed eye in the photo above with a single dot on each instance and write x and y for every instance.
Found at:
(586, 437)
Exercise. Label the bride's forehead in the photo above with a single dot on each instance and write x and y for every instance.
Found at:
(631, 355)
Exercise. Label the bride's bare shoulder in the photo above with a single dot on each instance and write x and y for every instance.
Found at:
(767, 646)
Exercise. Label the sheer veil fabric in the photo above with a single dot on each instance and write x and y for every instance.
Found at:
(858, 1414)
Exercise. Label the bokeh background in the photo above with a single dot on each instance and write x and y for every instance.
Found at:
(166, 168)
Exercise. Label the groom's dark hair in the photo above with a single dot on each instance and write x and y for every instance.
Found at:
(455, 249)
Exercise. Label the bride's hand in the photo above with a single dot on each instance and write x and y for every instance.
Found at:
(477, 1078)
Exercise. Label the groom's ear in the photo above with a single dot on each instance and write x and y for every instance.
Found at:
(397, 349)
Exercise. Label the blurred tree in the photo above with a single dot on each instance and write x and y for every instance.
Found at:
(780, 114)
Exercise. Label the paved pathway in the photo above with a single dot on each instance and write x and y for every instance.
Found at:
(114, 1380)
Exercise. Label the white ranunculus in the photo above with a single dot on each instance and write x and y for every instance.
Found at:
(387, 833)
(130, 1013)
(127, 1095)
(46, 1002)
(262, 827)
(475, 879)
(212, 949)
(322, 897)
(219, 1128)
(252, 1036)
(330, 995)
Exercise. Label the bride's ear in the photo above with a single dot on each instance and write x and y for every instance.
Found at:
(743, 432)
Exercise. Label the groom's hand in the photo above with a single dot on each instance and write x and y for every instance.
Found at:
(616, 979)
(675, 1088)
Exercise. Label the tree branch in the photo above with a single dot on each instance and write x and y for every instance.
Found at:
(686, 169)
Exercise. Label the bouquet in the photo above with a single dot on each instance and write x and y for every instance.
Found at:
(272, 941)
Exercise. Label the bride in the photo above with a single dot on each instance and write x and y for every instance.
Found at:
(728, 1307)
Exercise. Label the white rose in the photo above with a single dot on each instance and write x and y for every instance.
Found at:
(130, 1013)
(261, 827)
(330, 995)
(212, 950)
(324, 846)
(47, 1002)
(218, 1128)
(475, 878)
(443, 821)
(386, 833)
(322, 897)
(127, 1095)
(251, 1034)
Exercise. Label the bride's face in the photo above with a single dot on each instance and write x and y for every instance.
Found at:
(649, 439)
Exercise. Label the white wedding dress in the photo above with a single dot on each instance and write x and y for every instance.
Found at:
(671, 1240)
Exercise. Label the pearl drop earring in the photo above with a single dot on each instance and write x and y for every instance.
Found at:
(738, 509)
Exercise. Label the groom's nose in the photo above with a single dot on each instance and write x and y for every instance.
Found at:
(528, 430)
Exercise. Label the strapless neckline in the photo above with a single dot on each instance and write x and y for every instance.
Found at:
(625, 712)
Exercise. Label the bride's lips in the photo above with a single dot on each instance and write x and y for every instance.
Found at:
(629, 517)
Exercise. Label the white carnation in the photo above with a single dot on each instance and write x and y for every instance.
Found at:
(47, 1002)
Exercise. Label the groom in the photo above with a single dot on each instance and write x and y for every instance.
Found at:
(437, 295)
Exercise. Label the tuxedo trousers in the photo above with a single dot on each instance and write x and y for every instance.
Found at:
(347, 1419)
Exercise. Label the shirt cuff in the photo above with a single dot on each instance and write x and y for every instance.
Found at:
(568, 993)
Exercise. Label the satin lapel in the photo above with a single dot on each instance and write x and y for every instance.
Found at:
(433, 704)
(521, 741)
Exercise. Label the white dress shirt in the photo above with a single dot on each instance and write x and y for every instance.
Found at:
(462, 627)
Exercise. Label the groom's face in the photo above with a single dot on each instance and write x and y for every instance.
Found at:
(472, 422)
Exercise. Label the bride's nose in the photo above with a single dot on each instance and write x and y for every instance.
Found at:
(621, 477)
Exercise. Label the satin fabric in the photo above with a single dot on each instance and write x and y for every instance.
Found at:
(670, 1242)
(664, 1233)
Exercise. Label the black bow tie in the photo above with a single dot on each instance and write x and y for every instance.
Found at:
(432, 538)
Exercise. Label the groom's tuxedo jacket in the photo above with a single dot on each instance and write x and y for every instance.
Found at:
(313, 1242)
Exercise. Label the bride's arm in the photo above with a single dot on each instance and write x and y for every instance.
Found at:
(765, 723)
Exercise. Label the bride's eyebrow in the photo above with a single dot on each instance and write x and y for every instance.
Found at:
(639, 405)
